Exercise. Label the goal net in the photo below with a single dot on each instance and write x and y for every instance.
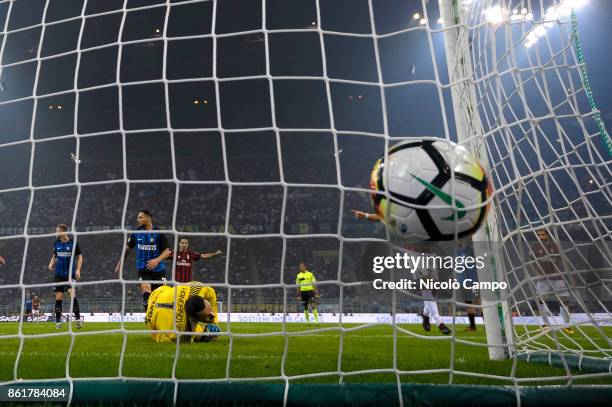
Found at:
(528, 105)
(251, 127)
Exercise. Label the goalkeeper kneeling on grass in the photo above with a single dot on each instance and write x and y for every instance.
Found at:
(196, 311)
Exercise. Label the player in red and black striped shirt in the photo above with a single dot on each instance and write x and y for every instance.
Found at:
(184, 261)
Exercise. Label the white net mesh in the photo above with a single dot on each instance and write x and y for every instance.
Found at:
(549, 150)
(252, 126)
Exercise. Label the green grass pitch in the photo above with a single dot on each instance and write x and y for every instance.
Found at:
(310, 350)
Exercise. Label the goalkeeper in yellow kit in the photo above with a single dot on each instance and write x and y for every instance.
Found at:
(307, 292)
(196, 311)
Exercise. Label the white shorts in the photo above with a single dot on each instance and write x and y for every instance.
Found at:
(550, 287)
(36, 312)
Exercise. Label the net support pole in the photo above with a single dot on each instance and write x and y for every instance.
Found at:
(497, 319)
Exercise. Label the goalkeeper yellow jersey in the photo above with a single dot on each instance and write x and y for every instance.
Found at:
(304, 277)
(161, 304)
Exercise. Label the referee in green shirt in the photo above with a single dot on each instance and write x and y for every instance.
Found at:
(307, 292)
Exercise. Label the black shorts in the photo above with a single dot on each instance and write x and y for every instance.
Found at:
(151, 275)
(61, 288)
(307, 297)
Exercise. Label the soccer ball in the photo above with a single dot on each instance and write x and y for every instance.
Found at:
(419, 173)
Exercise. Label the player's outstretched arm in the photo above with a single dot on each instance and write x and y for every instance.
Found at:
(209, 255)
(364, 215)
(2, 261)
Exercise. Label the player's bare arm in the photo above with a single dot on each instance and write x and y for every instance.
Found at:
(2, 261)
(364, 215)
(52, 263)
(79, 266)
(210, 255)
(153, 263)
(126, 253)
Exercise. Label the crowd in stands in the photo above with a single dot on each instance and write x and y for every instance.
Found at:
(200, 208)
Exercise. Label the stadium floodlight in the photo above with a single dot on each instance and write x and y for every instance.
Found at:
(540, 31)
(571, 4)
(494, 15)
(560, 12)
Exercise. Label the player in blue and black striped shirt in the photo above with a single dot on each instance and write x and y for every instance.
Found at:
(64, 249)
(151, 250)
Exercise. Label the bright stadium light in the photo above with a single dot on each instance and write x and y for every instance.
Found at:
(494, 15)
(565, 8)
(575, 4)
(416, 16)
(532, 37)
(553, 13)
(423, 21)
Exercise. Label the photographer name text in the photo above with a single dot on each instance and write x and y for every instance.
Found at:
(431, 284)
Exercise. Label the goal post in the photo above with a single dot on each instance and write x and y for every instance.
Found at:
(496, 315)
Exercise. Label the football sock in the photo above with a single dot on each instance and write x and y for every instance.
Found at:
(76, 309)
(564, 314)
(58, 310)
(431, 310)
(145, 300)
(306, 316)
(316, 315)
(546, 314)
(472, 318)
